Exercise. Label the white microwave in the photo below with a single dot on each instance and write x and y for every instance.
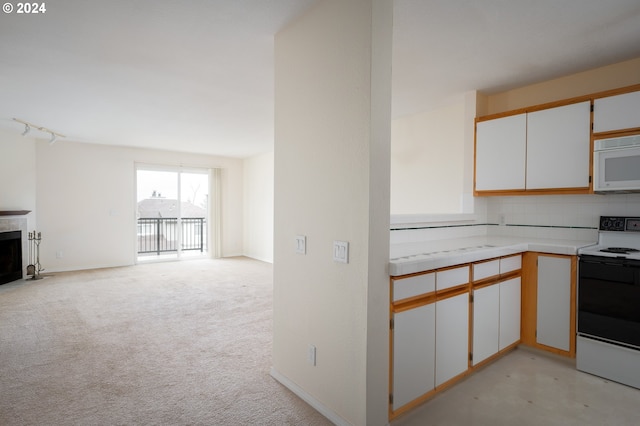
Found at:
(616, 164)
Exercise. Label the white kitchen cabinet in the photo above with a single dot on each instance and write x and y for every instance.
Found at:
(553, 323)
(448, 278)
(617, 112)
(406, 288)
(496, 318)
(558, 147)
(486, 321)
(510, 312)
(483, 270)
(510, 263)
(501, 153)
(452, 337)
(539, 150)
(414, 342)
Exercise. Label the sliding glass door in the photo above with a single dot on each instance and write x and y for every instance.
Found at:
(172, 206)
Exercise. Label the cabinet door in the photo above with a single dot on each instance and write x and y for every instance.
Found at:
(413, 354)
(452, 337)
(554, 302)
(616, 112)
(558, 147)
(501, 153)
(510, 308)
(486, 318)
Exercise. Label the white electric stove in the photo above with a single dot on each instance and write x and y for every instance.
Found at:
(608, 341)
(618, 237)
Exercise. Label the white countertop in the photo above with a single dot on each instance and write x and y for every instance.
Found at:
(408, 258)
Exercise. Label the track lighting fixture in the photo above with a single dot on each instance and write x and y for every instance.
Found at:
(28, 126)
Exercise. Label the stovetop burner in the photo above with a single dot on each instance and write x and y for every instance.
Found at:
(618, 237)
(622, 250)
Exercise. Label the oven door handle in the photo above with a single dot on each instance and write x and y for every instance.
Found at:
(601, 262)
(621, 262)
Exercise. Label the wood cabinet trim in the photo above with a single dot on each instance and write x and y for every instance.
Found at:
(616, 133)
(494, 279)
(512, 192)
(414, 274)
(452, 292)
(414, 302)
(486, 282)
(448, 268)
(562, 102)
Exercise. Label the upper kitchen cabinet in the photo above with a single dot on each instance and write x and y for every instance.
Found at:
(540, 150)
(501, 148)
(558, 147)
(618, 112)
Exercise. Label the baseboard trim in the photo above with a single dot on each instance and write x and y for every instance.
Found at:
(302, 394)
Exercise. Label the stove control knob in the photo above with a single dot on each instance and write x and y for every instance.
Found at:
(633, 224)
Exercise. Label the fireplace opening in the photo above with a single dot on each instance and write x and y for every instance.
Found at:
(10, 256)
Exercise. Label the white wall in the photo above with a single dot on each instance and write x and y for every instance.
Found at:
(258, 207)
(427, 152)
(332, 121)
(18, 174)
(86, 202)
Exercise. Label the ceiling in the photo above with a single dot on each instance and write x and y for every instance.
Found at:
(197, 76)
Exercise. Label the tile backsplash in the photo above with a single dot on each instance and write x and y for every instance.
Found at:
(573, 217)
(573, 211)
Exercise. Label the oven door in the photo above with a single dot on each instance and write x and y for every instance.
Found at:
(609, 299)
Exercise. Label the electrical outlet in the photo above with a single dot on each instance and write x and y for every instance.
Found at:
(301, 244)
(311, 355)
(341, 251)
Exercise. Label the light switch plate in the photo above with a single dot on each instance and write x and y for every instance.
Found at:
(301, 244)
(311, 355)
(341, 251)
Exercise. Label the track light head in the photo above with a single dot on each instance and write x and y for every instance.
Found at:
(28, 126)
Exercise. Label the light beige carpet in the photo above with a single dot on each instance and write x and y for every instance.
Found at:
(181, 343)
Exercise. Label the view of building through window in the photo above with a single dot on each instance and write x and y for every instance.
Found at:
(172, 213)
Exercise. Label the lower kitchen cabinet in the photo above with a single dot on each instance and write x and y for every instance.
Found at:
(414, 338)
(496, 318)
(452, 337)
(528, 299)
(510, 306)
(548, 311)
(486, 322)
(553, 322)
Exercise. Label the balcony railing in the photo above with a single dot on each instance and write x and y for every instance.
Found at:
(160, 235)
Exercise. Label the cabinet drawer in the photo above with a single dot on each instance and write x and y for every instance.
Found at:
(484, 270)
(511, 263)
(405, 288)
(452, 277)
